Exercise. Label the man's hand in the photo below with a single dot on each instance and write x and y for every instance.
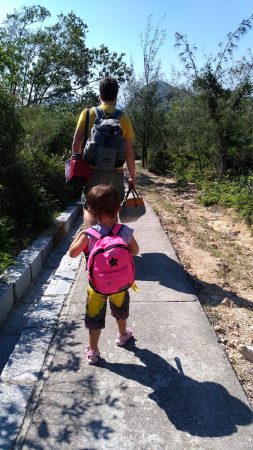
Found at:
(131, 183)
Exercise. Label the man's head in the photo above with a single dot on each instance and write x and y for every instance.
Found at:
(108, 89)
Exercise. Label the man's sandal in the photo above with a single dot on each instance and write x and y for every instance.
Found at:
(92, 355)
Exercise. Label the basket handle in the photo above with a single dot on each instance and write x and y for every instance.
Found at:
(135, 195)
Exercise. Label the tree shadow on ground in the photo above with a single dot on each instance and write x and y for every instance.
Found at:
(59, 417)
(204, 409)
(147, 181)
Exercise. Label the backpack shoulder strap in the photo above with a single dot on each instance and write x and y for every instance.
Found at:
(116, 229)
(92, 233)
(116, 115)
(98, 112)
(86, 126)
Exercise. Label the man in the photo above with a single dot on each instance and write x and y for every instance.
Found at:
(108, 90)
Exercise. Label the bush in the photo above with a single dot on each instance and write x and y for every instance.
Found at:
(6, 242)
(236, 193)
(11, 131)
(158, 162)
(32, 182)
(34, 191)
(45, 175)
(50, 129)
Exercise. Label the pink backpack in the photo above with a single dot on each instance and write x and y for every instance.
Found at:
(110, 264)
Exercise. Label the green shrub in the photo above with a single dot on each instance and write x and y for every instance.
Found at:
(7, 242)
(32, 182)
(230, 192)
(10, 131)
(158, 162)
(50, 129)
(34, 191)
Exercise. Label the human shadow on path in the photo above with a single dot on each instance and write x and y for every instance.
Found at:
(159, 267)
(204, 409)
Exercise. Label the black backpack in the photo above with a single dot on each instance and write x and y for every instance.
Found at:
(105, 149)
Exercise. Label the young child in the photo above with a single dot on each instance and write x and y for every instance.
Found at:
(104, 204)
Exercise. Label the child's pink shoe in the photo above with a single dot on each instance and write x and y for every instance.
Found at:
(92, 355)
(122, 339)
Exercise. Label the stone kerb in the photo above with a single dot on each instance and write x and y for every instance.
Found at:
(17, 278)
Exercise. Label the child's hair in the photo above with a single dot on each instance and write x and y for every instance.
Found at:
(103, 199)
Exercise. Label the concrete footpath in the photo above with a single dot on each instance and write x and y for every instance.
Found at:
(171, 387)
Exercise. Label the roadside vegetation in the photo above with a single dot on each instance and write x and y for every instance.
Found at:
(47, 74)
(199, 127)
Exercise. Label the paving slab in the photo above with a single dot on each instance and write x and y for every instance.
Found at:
(174, 392)
(8, 342)
(61, 283)
(171, 387)
(19, 276)
(159, 274)
(6, 300)
(13, 406)
(26, 361)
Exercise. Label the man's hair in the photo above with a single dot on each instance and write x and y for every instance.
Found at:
(103, 199)
(108, 89)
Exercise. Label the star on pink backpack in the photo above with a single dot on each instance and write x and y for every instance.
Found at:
(110, 264)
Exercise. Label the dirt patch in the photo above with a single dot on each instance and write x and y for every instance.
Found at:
(216, 249)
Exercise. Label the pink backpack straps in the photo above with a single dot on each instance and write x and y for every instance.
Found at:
(93, 233)
(116, 229)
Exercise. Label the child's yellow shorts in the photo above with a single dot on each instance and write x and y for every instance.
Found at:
(96, 308)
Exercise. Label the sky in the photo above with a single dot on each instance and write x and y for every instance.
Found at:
(118, 24)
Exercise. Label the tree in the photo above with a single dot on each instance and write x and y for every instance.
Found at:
(223, 88)
(52, 63)
(143, 97)
(11, 131)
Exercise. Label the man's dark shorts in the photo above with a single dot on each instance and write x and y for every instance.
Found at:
(116, 178)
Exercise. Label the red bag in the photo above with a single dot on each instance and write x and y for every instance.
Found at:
(77, 170)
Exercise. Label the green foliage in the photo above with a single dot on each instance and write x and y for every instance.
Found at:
(45, 76)
(46, 173)
(10, 130)
(49, 129)
(6, 242)
(144, 104)
(224, 88)
(158, 162)
(34, 190)
(48, 63)
(236, 193)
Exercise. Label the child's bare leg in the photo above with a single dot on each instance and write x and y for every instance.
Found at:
(124, 333)
(122, 323)
(94, 336)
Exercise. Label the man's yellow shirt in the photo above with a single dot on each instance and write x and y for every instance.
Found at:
(124, 120)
